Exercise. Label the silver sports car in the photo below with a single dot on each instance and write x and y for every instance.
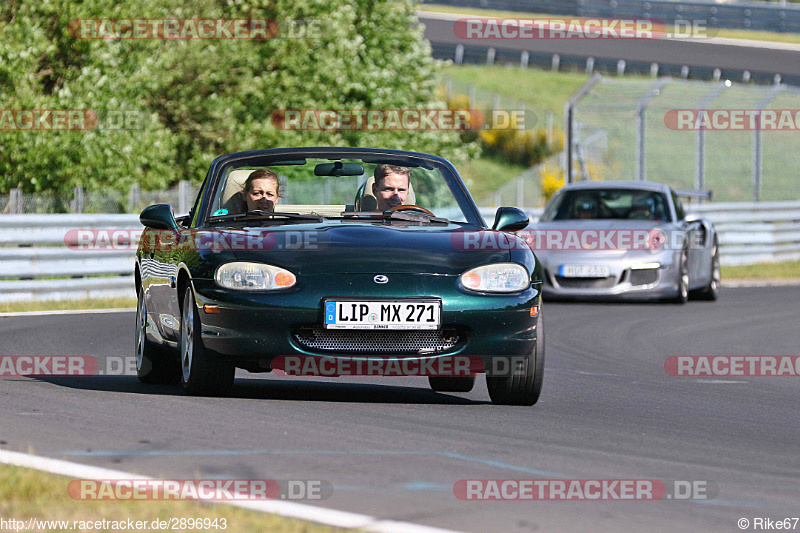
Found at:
(627, 240)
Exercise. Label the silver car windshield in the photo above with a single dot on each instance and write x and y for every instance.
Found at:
(616, 204)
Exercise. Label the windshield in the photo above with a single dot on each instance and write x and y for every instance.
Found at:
(624, 204)
(332, 188)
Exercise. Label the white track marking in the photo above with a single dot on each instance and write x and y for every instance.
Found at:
(72, 312)
(301, 511)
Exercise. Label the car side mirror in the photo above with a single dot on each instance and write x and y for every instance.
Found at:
(510, 219)
(159, 216)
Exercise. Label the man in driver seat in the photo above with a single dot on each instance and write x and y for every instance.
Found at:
(391, 186)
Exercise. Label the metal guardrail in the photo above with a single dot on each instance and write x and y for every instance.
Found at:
(739, 15)
(37, 262)
(749, 233)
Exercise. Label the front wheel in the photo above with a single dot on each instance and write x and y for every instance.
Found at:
(524, 385)
(711, 291)
(201, 373)
(154, 364)
(682, 296)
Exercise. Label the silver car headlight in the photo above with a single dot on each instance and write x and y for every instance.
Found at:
(498, 277)
(243, 276)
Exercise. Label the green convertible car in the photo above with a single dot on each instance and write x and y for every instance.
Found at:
(358, 260)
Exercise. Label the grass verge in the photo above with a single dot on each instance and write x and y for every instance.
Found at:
(26, 493)
(541, 89)
(64, 305)
(729, 33)
(484, 176)
(783, 270)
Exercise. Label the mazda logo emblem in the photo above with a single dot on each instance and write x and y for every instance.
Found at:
(380, 278)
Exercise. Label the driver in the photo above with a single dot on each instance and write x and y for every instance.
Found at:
(391, 186)
(262, 190)
(586, 208)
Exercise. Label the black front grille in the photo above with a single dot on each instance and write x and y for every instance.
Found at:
(644, 277)
(319, 339)
(585, 283)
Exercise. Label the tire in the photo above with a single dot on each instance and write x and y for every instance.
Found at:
(525, 385)
(451, 383)
(201, 373)
(154, 364)
(711, 291)
(682, 295)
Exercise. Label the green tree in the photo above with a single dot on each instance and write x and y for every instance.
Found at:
(202, 98)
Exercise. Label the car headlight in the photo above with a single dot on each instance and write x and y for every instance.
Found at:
(499, 277)
(244, 276)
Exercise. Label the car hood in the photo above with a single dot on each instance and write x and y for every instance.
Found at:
(336, 247)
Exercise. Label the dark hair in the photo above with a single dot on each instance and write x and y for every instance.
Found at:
(264, 173)
(381, 171)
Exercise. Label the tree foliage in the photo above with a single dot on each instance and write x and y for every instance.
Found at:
(197, 99)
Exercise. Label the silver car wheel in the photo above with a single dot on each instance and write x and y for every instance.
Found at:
(187, 337)
(141, 331)
(684, 281)
(716, 275)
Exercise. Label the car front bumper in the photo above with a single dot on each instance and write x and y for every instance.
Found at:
(257, 327)
(624, 281)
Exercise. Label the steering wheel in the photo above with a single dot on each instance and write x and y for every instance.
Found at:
(411, 207)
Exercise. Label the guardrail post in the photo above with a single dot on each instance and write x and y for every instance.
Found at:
(134, 197)
(77, 200)
(15, 206)
(183, 197)
(326, 192)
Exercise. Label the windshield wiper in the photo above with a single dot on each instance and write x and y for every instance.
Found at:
(265, 215)
(408, 216)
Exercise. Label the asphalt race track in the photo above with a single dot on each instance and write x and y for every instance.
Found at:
(393, 449)
(729, 55)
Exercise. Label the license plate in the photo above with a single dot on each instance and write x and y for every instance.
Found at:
(382, 314)
(584, 271)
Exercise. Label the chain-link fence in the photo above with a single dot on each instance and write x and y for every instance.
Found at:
(321, 191)
(79, 200)
(739, 141)
(486, 101)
